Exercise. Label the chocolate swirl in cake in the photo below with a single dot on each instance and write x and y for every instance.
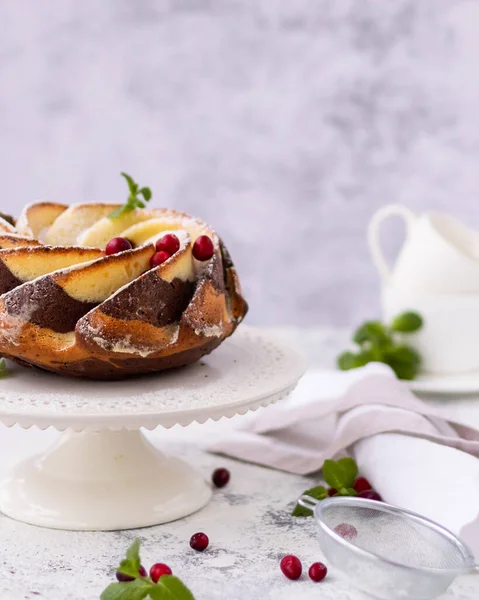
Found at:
(78, 309)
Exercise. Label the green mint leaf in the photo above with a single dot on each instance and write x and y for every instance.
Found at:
(349, 469)
(332, 474)
(133, 200)
(340, 474)
(170, 587)
(404, 361)
(407, 322)
(403, 370)
(301, 511)
(126, 208)
(146, 192)
(128, 568)
(133, 553)
(137, 203)
(131, 564)
(347, 492)
(132, 186)
(377, 344)
(319, 493)
(372, 331)
(133, 590)
(403, 354)
(348, 360)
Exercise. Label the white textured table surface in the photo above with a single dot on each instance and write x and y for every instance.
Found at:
(248, 523)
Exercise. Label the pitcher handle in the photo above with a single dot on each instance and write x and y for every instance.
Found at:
(374, 228)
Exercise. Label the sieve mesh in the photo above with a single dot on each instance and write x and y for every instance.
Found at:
(394, 536)
(387, 551)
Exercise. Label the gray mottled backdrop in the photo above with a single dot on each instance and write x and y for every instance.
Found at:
(285, 123)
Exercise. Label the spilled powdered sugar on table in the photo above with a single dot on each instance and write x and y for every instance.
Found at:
(248, 523)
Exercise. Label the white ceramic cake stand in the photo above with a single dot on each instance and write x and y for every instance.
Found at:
(103, 474)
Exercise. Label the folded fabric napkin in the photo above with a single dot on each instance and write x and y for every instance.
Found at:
(416, 454)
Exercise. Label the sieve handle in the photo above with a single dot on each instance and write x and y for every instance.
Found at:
(307, 502)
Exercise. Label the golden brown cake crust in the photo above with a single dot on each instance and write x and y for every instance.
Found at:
(110, 317)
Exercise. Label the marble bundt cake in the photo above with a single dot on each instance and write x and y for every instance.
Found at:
(106, 291)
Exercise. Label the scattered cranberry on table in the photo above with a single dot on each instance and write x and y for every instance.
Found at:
(362, 484)
(347, 531)
(370, 495)
(291, 567)
(118, 244)
(199, 541)
(203, 248)
(220, 477)
(159, 258)
(168, 243)
(158, 570)
(317, 571)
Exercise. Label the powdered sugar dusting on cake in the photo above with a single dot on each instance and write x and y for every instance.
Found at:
(191, 224)
(12, 326)
(122, 347)
(101, 337)
(42, 236)
(210, 330)
(171, 311)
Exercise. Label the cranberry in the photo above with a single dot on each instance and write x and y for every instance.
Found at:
(347, 531)
(158, 570)
(220, 477)
(168, 243)
(118, 244)
(159, 258)
(122, 578)
(199, 541)
(291, 567)
(362, 484)
(203, 248)
(125, 578)
(332, 492)
(370, 495)
(318, 571)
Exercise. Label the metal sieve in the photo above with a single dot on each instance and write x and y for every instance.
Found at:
(387, 551)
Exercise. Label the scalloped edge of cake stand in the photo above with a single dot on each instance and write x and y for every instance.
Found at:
(107, 480)
(103, 474)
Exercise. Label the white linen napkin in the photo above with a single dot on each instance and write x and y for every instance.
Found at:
(417, 455)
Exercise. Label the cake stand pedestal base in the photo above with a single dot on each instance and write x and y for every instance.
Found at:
(103, 480)
(109, 476)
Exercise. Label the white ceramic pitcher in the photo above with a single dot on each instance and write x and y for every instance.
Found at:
(440, 254)
(449, 339)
